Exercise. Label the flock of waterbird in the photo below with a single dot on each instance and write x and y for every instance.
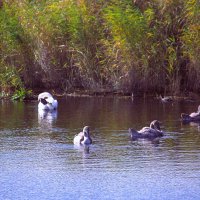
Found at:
(192, 117)
(48, 103)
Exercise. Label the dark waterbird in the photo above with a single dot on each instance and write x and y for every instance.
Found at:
(193, 117)
(151, 132)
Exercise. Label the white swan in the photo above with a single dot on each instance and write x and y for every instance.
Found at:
(47, 102)
(83, 137)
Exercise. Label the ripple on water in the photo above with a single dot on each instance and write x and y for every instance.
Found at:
(39, 160)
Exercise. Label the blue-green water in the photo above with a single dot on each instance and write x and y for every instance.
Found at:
(40, 162)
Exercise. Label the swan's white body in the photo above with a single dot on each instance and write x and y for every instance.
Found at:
(47, 102)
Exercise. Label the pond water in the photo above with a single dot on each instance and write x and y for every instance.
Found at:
(39, 160)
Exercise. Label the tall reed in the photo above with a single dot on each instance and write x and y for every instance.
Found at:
(119, 46)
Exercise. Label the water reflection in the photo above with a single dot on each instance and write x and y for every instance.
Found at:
(37, 151)
(147, 141)
(195, 124)
(84, 149)
(46, 118)
(192, 124)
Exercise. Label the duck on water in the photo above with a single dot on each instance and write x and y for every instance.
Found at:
(166, 99)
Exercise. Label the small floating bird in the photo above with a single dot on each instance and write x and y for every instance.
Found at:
(83, 137)
(166, 99)
(195, 116)
(147, 132)
(47, 102)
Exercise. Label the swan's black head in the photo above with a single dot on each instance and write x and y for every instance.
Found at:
(43, 101)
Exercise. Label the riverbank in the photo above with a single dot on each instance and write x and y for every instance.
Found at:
(130, 46)
(27, 95)
(191, 97)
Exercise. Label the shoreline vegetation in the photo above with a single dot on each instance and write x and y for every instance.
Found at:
(100, 48)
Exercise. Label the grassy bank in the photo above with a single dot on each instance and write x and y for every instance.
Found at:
(116, 46)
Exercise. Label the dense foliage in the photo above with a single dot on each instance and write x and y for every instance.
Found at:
(97, 45)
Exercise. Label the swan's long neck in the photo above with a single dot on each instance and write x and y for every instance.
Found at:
(87, 138)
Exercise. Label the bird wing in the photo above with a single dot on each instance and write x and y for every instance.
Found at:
(194, 114)
(81, 136)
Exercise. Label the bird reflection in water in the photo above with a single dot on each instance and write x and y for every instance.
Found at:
(83, 149)
(147, 141)
(46, 118)
(193, 124)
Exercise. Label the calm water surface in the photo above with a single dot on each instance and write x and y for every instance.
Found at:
(39, 160)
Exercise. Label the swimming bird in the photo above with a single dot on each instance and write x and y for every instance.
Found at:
(166, 99)
(47, 102)
(83, 137)
(195, 116)
(150, 132)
